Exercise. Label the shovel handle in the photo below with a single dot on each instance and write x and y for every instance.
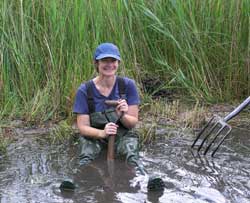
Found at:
(111, 150)
(236, 111)
(113, 103)
(111, 143)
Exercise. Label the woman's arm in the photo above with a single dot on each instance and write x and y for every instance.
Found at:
(130, 113)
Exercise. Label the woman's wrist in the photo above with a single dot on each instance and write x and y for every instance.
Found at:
(121, 115)
(118, 113)
(102, 134)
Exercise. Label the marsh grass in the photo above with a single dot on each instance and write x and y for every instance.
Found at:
(199, 47)
(61, 132)
(6, 137)
(160, 115)
(3, 144)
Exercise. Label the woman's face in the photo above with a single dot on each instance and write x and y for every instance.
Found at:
(107, 66)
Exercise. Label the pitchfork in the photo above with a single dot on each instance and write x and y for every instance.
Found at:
(217, 127)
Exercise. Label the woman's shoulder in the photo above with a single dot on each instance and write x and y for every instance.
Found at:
(83, 86)
(128, 81)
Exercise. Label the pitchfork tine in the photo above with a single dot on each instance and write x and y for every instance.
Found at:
(217, 134)
(200, 133)
(208, 134)
(221, 141)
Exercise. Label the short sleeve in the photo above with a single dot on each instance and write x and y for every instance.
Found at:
(80, 103)
(132, 93)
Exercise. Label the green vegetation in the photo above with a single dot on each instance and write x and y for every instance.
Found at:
(200, 48)
(6, 137)
(3, 144)
(162, 116)
(63, 130)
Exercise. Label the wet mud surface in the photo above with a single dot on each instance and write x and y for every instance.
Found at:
(32, 169)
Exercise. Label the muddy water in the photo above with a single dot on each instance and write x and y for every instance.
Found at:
(33, 168)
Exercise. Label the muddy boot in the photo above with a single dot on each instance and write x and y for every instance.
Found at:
(67, 185)
(155, 183)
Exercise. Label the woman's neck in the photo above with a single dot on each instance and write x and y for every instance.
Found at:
(104, 81)
(104, 84)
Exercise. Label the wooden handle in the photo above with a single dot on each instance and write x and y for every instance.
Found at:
(111, 148)
(111, 102)
(111, 141)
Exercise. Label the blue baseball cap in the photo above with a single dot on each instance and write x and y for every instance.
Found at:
(106, 50)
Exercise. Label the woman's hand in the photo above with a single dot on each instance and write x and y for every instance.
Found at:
(122, 107)
(110, 129)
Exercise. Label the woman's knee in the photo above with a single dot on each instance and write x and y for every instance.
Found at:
(89, 149)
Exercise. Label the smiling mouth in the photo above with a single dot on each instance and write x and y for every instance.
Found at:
(109, 68)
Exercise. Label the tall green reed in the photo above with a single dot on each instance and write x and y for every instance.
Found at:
(199, 44)
(200, 47)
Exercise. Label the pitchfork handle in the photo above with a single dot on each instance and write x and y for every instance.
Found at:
(236, 111)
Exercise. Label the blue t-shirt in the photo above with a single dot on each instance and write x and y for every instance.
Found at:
(81, 104)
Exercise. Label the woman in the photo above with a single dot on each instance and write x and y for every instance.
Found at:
(96, 119)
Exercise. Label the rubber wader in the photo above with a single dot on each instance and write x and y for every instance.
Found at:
(126, 140)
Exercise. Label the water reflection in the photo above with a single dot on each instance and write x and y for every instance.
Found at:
(102, 181)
